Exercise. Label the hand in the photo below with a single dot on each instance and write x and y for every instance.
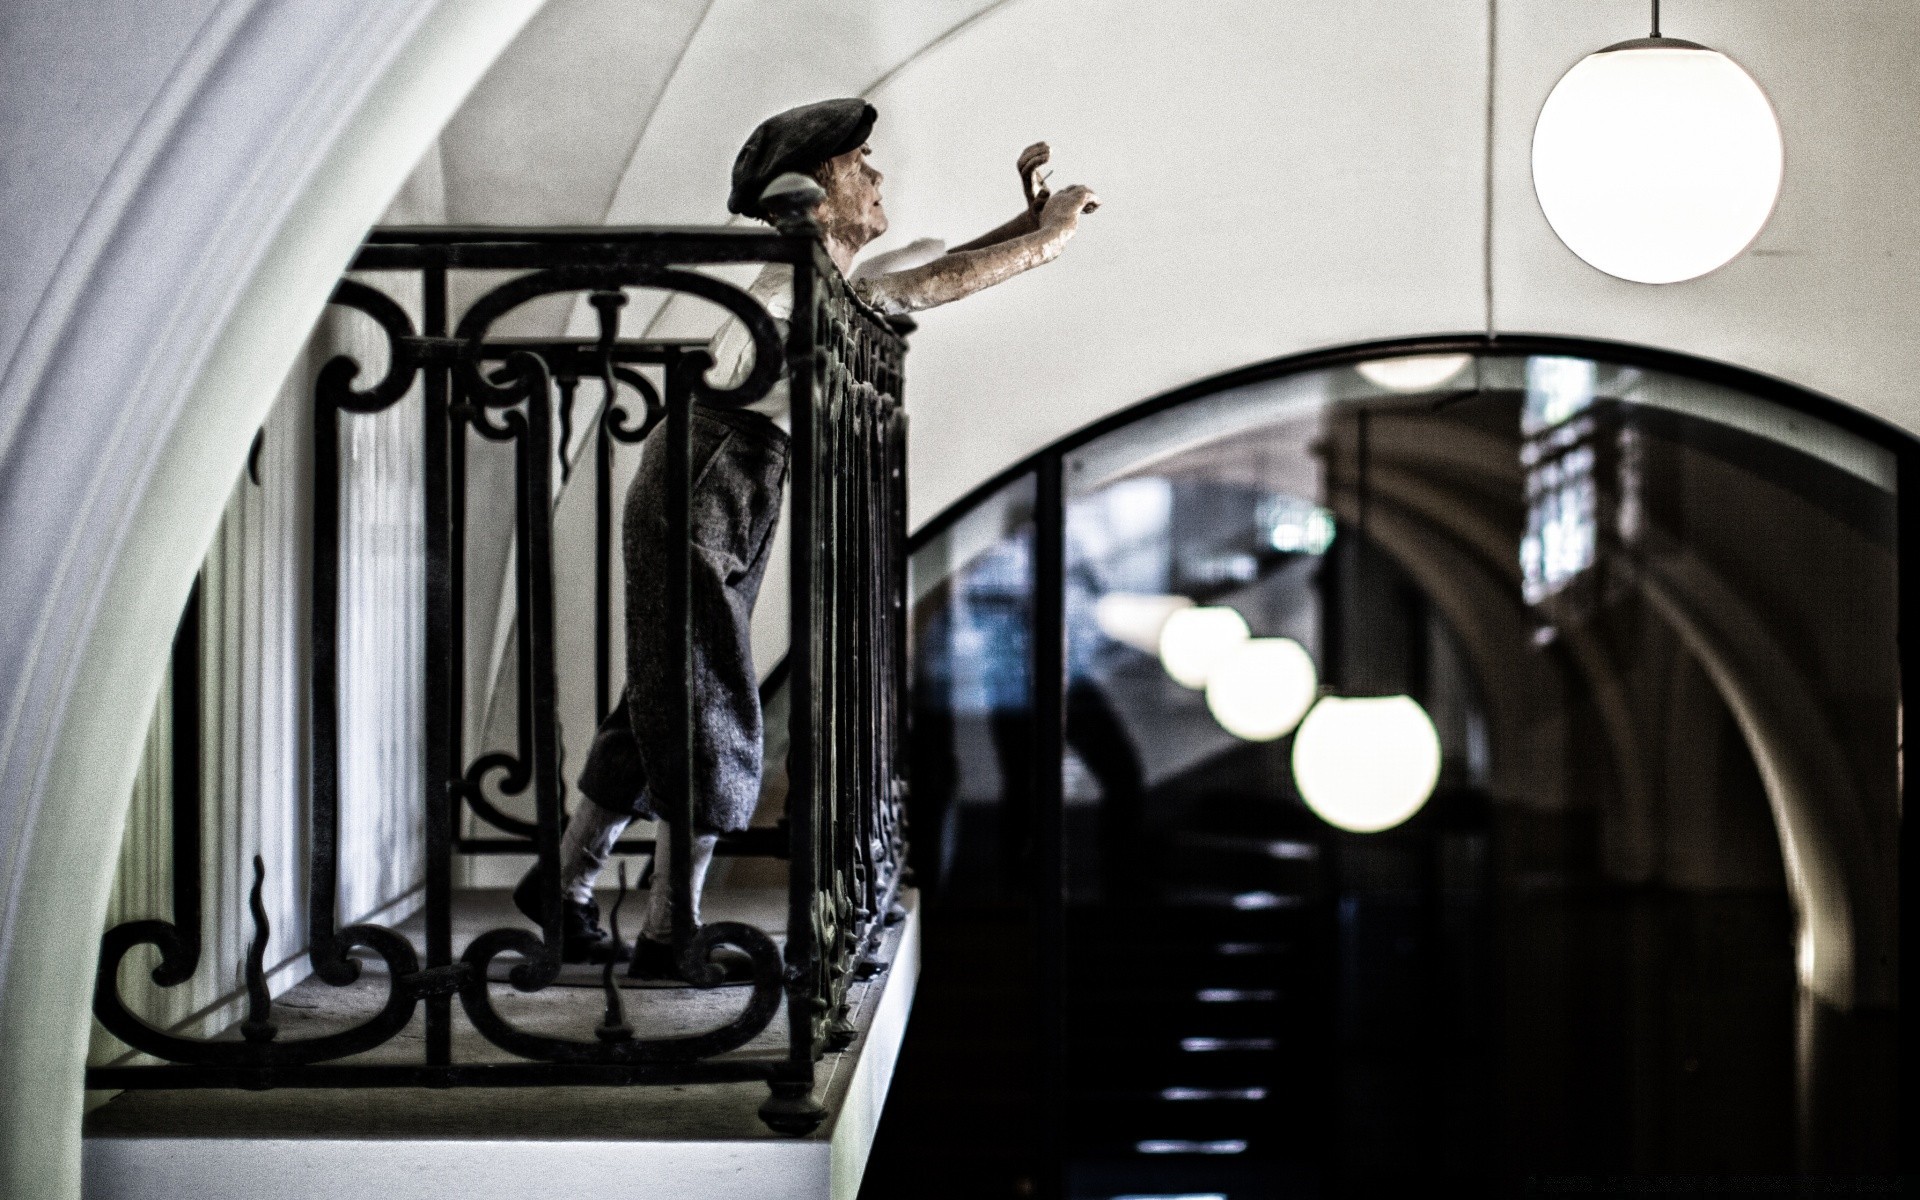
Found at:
(1064, 207)
(1032, 182)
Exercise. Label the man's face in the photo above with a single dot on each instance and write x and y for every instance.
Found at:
(851, 213)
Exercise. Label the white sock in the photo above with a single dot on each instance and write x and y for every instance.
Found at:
(585, 847)
(658, 924)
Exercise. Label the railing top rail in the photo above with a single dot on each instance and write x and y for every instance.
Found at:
(517, 247)
(425, 235)
(506, 247)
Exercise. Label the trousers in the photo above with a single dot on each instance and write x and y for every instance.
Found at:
(737, 469)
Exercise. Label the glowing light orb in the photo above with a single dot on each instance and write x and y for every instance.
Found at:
(1416, 373)
(1194, 640)
(1259, 690)
(1365, 764)
(1658, 160)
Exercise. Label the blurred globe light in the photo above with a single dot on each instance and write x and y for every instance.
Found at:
(1367, 763)
(1260, 689)
(1417, 373)
(1657, 160)
(1136, 618)
(1194, 640)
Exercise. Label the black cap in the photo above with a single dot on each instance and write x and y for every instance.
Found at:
(799, 139)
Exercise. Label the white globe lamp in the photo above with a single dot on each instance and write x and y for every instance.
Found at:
(1366, 763)
(1414, 372)
(1260, 689)
(1657, 160)
(1136, 618)
(1193, 640)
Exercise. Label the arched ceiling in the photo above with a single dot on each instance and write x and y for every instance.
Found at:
(1275, 178)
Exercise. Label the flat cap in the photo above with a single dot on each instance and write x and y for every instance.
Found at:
(799, 139)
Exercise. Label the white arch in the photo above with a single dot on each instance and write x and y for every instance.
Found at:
(254, 153)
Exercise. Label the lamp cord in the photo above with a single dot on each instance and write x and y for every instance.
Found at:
(1656, 18)
(1355, 588)
(1360, 476)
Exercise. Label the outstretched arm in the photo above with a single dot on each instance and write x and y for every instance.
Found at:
(1019, 226)
(964, 271)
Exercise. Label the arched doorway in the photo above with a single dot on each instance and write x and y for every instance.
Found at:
(1647, 921)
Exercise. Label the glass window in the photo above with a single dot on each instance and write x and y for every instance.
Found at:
(1621, 646)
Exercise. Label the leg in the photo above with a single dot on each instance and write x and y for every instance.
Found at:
(739, 469)
(584, 849)
(613, 783)
(653, 954)
(738, 465)
(658, 924)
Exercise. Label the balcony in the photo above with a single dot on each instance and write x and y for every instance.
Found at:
(445, 985)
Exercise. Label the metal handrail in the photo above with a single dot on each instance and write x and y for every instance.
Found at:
(843, 836)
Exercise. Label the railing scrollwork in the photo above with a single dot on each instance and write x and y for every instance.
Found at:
(843, 835)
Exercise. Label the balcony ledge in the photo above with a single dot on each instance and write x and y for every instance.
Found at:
(696, 1142)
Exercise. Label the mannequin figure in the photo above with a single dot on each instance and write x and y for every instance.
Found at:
(739, 461)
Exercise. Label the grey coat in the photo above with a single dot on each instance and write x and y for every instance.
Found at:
(739, 468)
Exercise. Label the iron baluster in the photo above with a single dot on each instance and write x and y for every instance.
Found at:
(439, 619)
(792, 1106)
(178, 967)
(678, 781)
(538, 681)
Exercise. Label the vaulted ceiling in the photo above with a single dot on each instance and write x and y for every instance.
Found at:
(1275, 177)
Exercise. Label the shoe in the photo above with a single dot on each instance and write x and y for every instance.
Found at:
(582, 940)
(655, 960)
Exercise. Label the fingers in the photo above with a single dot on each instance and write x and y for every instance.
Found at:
(1081, 196)
(1032, 182)
(1066, 205)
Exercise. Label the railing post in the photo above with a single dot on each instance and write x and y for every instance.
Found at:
(456, 597)
(679, 780)
(603, 560)
(902, 636)
(541, 709)
(442, 716)
(792, 1107)
(1049, 682)
(323, 950)
(185, 813)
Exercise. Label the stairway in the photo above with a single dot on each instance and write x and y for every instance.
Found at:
(1191, 1063)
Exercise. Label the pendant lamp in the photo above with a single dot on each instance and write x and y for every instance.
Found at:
(1413, 373)
(1194, 640)
(1137, 618)
(1367, 756)
(1657, 160)
(1259, 691)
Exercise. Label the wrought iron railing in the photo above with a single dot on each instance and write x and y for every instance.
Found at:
(843, 835)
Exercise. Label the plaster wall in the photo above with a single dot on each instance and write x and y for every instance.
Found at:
(185, 178)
